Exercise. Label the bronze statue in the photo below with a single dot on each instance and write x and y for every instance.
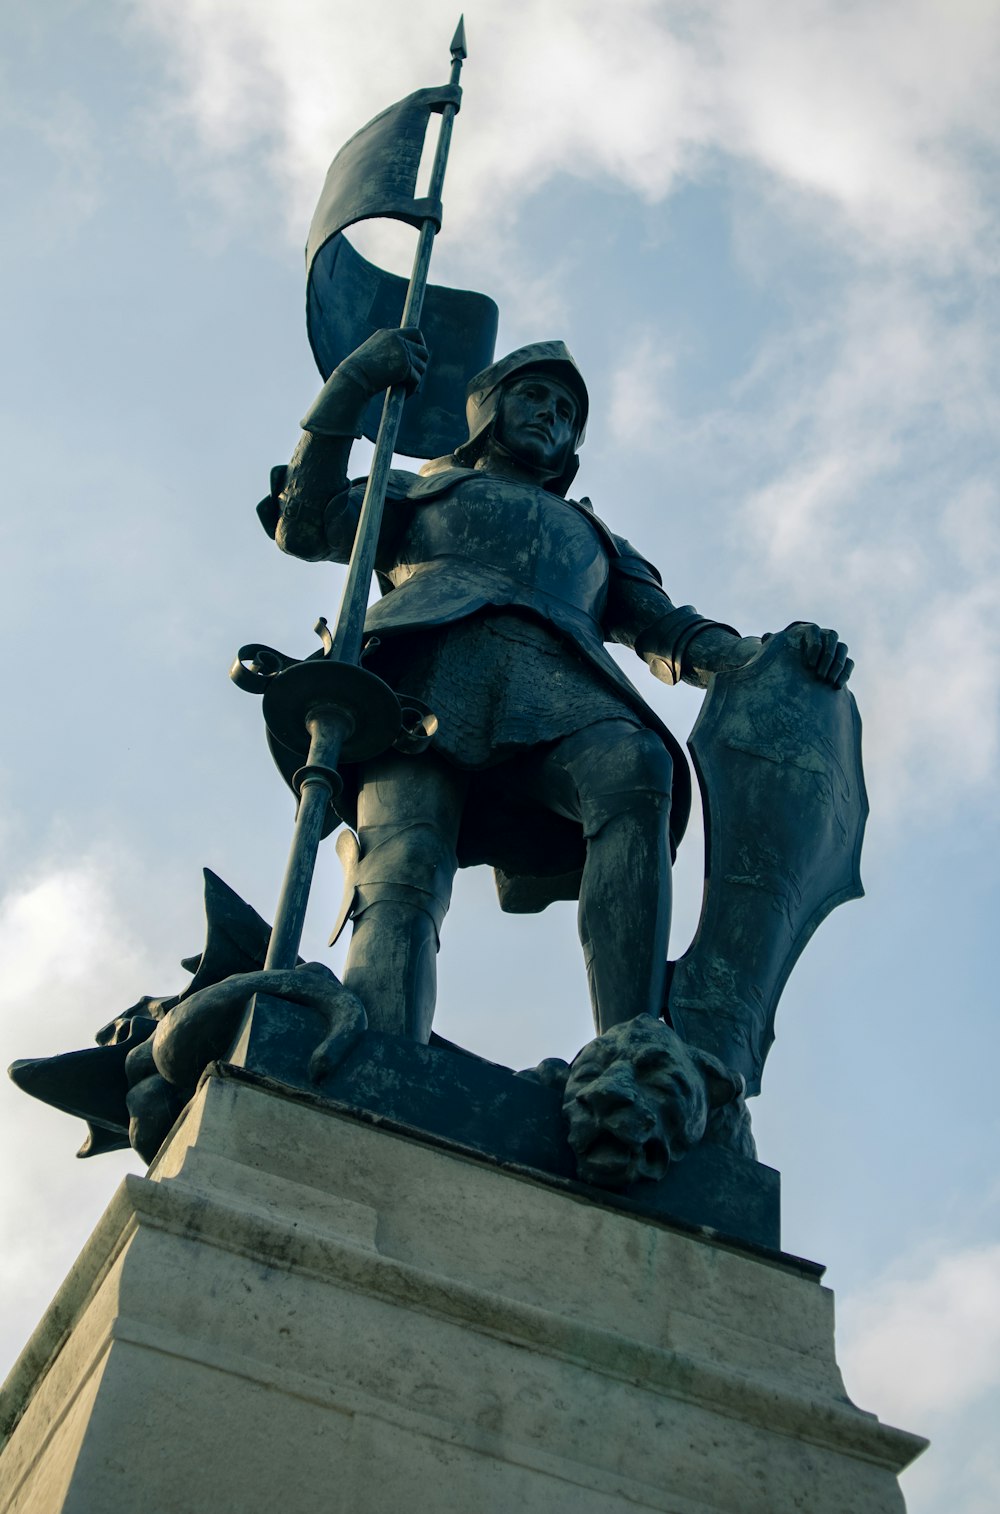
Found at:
(499, 594)
(475, 716)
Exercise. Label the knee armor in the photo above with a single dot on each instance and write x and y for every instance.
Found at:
(412, 864)
(621, 771)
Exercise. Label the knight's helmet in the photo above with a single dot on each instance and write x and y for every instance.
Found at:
(483, 401)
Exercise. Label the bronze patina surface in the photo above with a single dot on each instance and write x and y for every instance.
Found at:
(473, 715)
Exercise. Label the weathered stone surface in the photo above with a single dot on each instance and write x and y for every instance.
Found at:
(439, 1091)
(298, 1311)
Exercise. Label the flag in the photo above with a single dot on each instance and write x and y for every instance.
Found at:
(348, 297)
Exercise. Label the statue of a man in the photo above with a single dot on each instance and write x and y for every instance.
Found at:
(499, 593)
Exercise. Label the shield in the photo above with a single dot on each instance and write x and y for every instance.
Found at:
(778, 758)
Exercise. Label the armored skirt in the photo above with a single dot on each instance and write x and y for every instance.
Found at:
(498, 683)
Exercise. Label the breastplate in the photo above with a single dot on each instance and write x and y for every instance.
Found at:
(529, 536)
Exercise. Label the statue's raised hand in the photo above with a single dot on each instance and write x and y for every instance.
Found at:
(396, 356)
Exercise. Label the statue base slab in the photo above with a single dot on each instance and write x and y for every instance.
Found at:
(296, 1310)
(478, 1108)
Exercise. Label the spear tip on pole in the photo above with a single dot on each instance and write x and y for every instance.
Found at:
(458, 49)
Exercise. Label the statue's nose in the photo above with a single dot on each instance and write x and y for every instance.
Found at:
(607, 1097)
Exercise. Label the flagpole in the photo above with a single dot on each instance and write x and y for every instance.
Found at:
(349, 713)
(349, 633)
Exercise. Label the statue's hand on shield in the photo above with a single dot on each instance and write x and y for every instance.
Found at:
(716, 650)
(823, 653)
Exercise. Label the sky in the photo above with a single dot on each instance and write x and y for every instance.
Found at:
(768, 232)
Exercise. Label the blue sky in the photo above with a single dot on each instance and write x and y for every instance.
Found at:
(768, 233)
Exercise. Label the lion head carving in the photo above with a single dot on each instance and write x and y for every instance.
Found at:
(637, 1098)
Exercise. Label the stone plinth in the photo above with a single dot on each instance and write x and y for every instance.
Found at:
(299, 1312)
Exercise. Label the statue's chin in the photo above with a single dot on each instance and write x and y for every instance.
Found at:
(607, 1162)
(610, 1162)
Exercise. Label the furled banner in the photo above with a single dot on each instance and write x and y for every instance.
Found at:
(348, 297)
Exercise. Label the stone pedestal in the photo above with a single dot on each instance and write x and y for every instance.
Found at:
(297, 1311)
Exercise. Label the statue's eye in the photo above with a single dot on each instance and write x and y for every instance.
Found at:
(587, 1070)
(665, 1079)
(676, 1089)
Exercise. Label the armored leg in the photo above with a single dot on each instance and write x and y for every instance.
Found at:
(408, 816)
(616, 778)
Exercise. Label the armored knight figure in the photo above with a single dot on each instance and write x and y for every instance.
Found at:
(499, 593)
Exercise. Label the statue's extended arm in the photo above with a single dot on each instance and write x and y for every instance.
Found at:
(640, 615)
(716, 650)
(306, 510)
(678, 644)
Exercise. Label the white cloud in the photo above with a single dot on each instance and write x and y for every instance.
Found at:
(872, 107)
(71, 962)
(873, 430)
(55, 932)
(854, 466)
(932, 708)
(884, 113)
(67, 189)
(637, 391)
(80, 941)
(921, 1348)
(971, 524)
(926, 1344)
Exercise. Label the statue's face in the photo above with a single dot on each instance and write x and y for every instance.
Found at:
(636, 1099)
(537, 422)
